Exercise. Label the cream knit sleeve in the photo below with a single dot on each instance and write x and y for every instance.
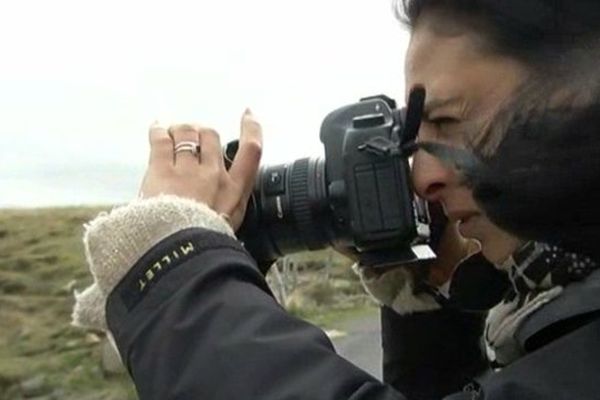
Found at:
(114, 241)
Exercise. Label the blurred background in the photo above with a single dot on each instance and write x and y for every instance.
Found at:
(81, 81)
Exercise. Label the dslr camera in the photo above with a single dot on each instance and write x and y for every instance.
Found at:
(358, 197)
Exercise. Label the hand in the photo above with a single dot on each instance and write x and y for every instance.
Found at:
(450, 247)
(202, 177)
(405, 288)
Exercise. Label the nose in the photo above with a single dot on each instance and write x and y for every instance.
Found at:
(431, 177)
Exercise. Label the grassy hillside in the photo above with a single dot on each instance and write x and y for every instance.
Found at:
(41, 262)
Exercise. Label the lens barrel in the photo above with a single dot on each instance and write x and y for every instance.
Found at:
(288, 211)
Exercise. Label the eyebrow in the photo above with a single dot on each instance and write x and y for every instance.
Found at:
(434, 103)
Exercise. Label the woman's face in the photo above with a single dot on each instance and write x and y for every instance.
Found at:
(464, 86)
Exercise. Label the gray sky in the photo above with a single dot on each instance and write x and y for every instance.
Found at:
(80, 82)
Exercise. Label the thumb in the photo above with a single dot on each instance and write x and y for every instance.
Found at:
(245, 164)
(250, 128)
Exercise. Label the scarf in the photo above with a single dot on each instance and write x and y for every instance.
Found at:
(538, 273)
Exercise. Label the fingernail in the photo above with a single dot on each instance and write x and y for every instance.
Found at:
(247, 111)
(156, 127)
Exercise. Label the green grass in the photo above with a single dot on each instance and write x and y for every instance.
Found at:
(332, 318)
(41, 262)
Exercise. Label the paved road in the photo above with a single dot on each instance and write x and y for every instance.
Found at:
(361, 342)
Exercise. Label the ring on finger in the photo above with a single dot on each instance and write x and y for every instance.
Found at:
(193, 147)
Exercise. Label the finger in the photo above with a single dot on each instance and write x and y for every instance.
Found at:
(161, 145)
(186, 139)
(210, 148)
(245, 164)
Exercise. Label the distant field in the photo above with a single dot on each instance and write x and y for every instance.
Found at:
(41, 262)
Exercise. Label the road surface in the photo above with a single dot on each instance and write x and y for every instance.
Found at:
(359, 341)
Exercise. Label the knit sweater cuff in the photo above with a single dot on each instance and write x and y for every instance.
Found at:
(396, 290)
(114, 242)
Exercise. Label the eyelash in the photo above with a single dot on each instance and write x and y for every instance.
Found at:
(442, 121)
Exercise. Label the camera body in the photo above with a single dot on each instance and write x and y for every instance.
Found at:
(359, 197)
(368, 178)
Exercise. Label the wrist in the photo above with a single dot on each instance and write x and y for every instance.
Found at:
(115, 241)
(396, 289)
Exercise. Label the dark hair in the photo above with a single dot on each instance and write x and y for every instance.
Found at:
(530, 30)
(538, 169)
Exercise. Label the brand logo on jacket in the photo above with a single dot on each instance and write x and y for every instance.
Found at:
(153, 272)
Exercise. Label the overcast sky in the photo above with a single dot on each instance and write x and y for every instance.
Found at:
(80, 82)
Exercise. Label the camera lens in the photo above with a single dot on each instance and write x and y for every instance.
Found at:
(288, 211)
(358, 197)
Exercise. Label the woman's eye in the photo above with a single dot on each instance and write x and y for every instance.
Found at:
(439, 121)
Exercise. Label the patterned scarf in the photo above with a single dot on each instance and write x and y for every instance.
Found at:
(538, 273)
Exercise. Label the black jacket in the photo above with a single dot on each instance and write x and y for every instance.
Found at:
(207, 327)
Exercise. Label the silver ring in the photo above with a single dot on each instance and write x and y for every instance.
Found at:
(193, 147)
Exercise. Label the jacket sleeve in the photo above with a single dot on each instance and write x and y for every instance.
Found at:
(194, 319)
(430, 355)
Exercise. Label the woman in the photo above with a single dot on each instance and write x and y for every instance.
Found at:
(497, 88)
(191, 314)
